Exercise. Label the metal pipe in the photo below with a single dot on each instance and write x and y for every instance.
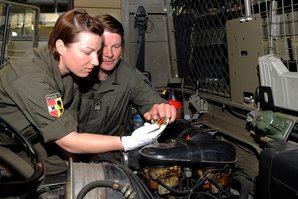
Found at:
(247, 6)
(273, 25)
(5, 31)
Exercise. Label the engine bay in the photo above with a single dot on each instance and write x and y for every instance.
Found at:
(189, 160)
(186, 161)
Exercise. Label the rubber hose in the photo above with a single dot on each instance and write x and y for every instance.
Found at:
(174, 191)
(215, 183)
(127, 193)
(137, 184)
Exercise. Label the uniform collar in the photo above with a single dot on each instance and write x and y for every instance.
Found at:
(110, 82)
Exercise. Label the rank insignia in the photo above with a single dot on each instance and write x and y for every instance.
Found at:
(55, 105)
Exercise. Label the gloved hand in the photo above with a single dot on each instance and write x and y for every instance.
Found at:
(143, 135)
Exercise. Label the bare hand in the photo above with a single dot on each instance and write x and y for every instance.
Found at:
(161, 111)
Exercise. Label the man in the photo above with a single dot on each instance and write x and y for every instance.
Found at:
(107, 94)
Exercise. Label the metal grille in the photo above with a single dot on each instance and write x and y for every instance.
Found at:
(200, 35)
(280, 29)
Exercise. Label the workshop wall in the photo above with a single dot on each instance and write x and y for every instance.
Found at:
(96, 7)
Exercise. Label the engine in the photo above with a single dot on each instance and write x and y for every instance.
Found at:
(185, 162)
(189, 162)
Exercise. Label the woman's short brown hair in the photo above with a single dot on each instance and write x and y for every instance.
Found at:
(69, 25)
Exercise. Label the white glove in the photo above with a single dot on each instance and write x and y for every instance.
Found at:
(143, 135)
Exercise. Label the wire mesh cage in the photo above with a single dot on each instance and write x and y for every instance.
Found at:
(280, 29)
(201, 45)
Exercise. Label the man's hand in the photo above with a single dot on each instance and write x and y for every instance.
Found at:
(143, 135)
(160, 111)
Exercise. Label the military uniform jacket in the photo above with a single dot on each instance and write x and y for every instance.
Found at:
(104, 107)
(34, 98)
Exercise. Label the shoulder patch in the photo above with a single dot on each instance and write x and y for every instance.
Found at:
(55, 104)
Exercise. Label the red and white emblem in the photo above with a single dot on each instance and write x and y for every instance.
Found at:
(55, 104)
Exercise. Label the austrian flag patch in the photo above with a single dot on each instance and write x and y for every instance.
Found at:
(55, 105)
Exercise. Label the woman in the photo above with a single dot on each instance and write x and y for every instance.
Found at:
(37, 93)
(114, 85)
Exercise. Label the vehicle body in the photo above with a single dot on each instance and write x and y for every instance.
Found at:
(233, 66)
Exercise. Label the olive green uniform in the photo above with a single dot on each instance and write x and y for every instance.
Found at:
(103, 108)
(35, 100)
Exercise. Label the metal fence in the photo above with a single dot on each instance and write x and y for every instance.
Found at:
(280, 29)
(201, 45)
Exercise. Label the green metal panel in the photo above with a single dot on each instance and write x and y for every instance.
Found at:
(245, 46)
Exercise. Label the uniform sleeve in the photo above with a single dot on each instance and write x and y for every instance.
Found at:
(29, 93)
(59, 128)
(144, 95)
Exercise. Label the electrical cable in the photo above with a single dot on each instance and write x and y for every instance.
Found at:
(200, 181)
